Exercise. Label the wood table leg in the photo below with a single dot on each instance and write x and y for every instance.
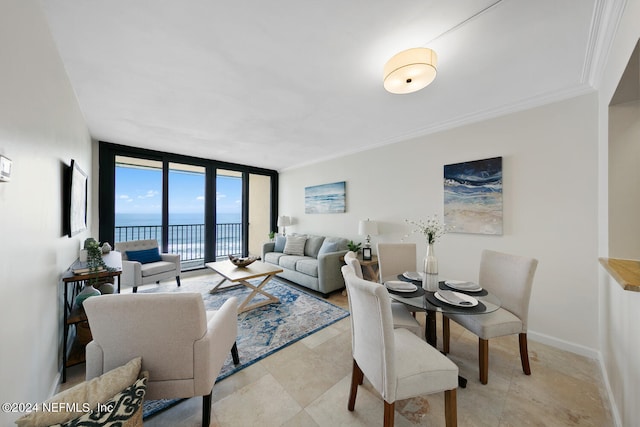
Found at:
(257, 289)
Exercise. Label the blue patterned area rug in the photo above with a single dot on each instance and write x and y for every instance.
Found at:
(261, 331)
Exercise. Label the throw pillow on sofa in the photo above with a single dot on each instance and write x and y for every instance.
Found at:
(280, 242)
(328, 247)
(295, 245)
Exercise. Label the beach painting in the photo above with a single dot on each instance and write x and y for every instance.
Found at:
(325, 198)
(473, 196)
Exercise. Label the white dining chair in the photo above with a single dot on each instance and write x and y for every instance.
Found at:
(395, 259)
(510, 278)
(402, 317)
(398, 364)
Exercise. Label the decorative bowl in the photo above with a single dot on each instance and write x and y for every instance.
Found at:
(242, 262)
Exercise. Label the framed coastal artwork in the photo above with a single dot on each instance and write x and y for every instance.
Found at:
(473, 196)
(325, 198)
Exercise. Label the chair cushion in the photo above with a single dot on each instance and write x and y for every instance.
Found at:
(153, 268)
(279, 244)
(144, 256)
(92, 392)
(421, 368)
(295, 245)
(491, 325)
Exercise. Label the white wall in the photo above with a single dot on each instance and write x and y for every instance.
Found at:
(550, 205)
(619, 311)
(624, 180)
(41, 130)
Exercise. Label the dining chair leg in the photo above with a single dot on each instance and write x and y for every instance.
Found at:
(356, 379)
(524, 354)
(450, 408)
(483, 359)
(446, 334)
(389, 412)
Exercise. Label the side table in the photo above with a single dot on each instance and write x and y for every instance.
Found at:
(74, 315)
(369, 268)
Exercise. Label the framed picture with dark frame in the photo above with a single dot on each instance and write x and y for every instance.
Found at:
(366, 254)
(77, 211)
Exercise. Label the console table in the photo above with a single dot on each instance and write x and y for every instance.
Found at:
(74, 315)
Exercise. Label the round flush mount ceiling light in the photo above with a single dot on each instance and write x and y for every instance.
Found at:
(410, 70)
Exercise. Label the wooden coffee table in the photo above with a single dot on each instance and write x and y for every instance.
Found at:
(241, 275)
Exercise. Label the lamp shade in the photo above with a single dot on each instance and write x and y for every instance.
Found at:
(284, 220)
(410, 70)
(368, 228)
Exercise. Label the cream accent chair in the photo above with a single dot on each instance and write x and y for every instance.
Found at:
(510, 278)
(182, 346)
(398, 364)
(402, 317)
(136, 274)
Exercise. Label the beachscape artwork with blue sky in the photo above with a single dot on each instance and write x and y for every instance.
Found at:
(473, 196)
(325, 198)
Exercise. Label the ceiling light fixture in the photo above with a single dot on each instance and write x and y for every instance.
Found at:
(410, 70)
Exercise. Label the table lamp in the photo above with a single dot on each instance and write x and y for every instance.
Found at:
(368, 228)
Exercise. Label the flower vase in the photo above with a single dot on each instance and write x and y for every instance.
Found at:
(430, 277)
(86, 292)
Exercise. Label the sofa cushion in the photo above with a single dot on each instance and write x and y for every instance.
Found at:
(295, 245)
(308, 266)
(280, 242)
(289, 261)
(273, 257)
(144, 256)
(327, 247)
(150, 269)
(312, 245)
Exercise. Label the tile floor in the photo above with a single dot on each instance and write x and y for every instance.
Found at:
(307, 384)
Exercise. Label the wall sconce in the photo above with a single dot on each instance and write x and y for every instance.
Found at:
(284, 221)
(5, 169)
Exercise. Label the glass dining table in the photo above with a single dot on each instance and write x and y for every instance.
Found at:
(428, 302)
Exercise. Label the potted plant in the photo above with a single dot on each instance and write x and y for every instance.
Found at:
(272, 235)
(355, 247)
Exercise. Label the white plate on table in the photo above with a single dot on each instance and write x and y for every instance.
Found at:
(463, 285)
(413, 275)
(473, 302)
(400, 286)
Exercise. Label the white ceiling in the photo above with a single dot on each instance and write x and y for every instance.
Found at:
(278, 84)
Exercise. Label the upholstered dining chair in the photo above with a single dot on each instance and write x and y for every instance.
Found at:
(182, 346)
(510, 278)
(142, 263)
(398, 364)
(395, 258)
(402, 317)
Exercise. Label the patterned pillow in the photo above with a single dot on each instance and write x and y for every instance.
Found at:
(295, 245)
(86, 393)
(122, 410)
(145, 256)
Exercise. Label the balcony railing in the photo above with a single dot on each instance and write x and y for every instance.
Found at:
(187, 240)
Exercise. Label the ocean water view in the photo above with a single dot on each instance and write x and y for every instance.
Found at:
(186, 233)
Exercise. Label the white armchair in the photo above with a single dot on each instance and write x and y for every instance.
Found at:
(152, 269)
(182, 346)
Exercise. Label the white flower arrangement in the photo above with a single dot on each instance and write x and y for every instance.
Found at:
(432, 229)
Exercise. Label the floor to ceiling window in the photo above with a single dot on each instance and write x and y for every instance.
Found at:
(202, 209)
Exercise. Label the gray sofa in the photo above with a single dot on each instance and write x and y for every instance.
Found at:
(318, 268)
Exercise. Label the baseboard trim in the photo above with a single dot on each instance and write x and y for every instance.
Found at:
(615, 413)
(564, 345)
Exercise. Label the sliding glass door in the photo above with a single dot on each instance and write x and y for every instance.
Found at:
(190, 206)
